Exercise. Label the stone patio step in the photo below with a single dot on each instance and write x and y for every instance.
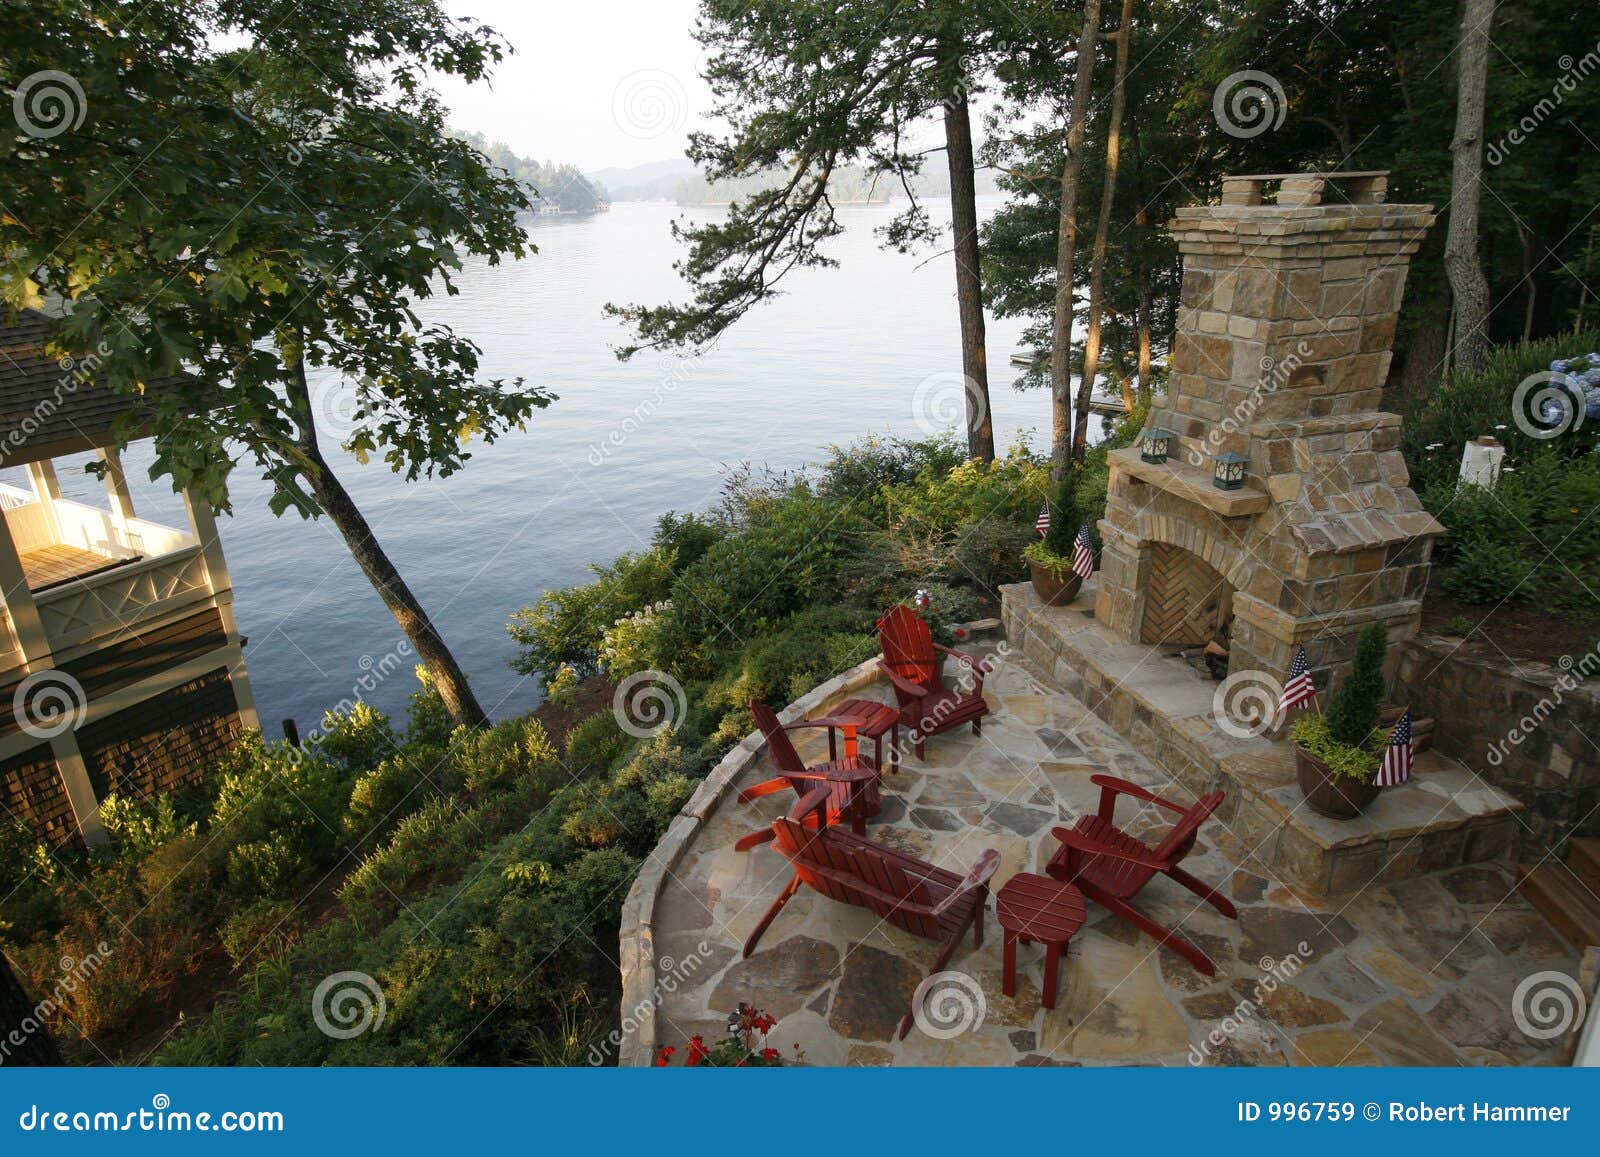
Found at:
(1583, 857)
(1564, 900)
(1166, 709)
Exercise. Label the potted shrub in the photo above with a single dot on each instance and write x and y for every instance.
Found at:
(1050, 558)
(1337, 754)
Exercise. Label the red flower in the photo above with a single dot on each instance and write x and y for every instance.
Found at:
(697, 1050)
(770, 1054)
(663, 1056)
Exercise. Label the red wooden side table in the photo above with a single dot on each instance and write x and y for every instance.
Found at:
(873, 720)
(1033, 908)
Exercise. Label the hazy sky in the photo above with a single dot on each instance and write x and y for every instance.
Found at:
(596, 83)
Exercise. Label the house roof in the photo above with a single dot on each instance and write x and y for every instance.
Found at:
(52, 406)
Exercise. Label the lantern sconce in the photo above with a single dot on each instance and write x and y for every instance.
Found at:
(1154, 443)
(1229, 470)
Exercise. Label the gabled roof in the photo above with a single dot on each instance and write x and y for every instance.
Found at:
(50, 406)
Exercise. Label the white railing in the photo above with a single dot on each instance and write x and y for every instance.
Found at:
(75, 612)
(165, 570)
(84, 527)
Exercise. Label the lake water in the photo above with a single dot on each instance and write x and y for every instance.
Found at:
(870, 347)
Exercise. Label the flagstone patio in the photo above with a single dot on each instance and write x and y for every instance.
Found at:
(1417, 972)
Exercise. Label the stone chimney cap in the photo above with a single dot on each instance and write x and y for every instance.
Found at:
(1364, 187)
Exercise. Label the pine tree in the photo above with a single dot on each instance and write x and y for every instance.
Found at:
(1065, 515)
(1354, 709)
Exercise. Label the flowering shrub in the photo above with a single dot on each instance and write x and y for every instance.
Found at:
(746, 1045)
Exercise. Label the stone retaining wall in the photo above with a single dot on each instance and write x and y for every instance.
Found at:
(637, 1046)
(1532, 729)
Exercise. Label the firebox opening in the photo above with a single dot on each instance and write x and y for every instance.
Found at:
(1188, 608)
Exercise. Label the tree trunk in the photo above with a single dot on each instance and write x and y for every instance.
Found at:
(1467, 283)
(1066, 245)
(1144, 332)
(38, 1047)
(336, 503)
(969, 278)
(1102, 238)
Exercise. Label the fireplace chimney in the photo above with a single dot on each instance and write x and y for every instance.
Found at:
(1283, 342)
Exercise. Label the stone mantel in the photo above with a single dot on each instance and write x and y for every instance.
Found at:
(1192, 483)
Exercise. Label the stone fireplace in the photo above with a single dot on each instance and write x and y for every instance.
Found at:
(1283, 342)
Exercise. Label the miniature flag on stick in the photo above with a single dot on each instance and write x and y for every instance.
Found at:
(1042, 523)
(1299, 688)
(1083, 553)
(1396, 766)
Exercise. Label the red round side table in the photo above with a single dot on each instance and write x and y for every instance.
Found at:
(1032, 907)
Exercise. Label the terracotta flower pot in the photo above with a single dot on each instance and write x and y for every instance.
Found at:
(1052, 591)
(1338, 797)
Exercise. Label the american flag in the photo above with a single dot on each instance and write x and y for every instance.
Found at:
(1083, 553)
(1299, 688)
(1396, 766)
(1042, 523)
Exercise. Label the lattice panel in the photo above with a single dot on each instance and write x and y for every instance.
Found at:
(1186, 599)
(110, 600)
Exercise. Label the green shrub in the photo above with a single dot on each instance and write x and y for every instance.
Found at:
(861, 472)
(1057, 549)
(1467, 405)
(1531, 539)
(359, 739)
(384, 796)
(1489, 570)
(1354, 708)
(137, 827)
(493, 759)
(1311, 731)
(567, 626)
(795, 552)
(816, 644)
(596, 744)
(265, 930)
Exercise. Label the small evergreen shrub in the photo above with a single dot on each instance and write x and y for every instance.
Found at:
(1354, 708)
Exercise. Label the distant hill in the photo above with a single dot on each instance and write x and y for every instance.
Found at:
(556, 188)
(679, 181)
(652, 181)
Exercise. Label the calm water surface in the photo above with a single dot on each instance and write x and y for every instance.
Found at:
(842, 354)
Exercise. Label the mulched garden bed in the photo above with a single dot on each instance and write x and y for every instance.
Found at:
(1514, 630)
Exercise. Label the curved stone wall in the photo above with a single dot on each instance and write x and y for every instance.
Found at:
(636, 1041)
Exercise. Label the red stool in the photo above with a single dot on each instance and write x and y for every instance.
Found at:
(1033, 908)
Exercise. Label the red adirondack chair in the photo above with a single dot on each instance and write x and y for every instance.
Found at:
(851, 782)
(901, 890)
(1110, 866)
(911, 660)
